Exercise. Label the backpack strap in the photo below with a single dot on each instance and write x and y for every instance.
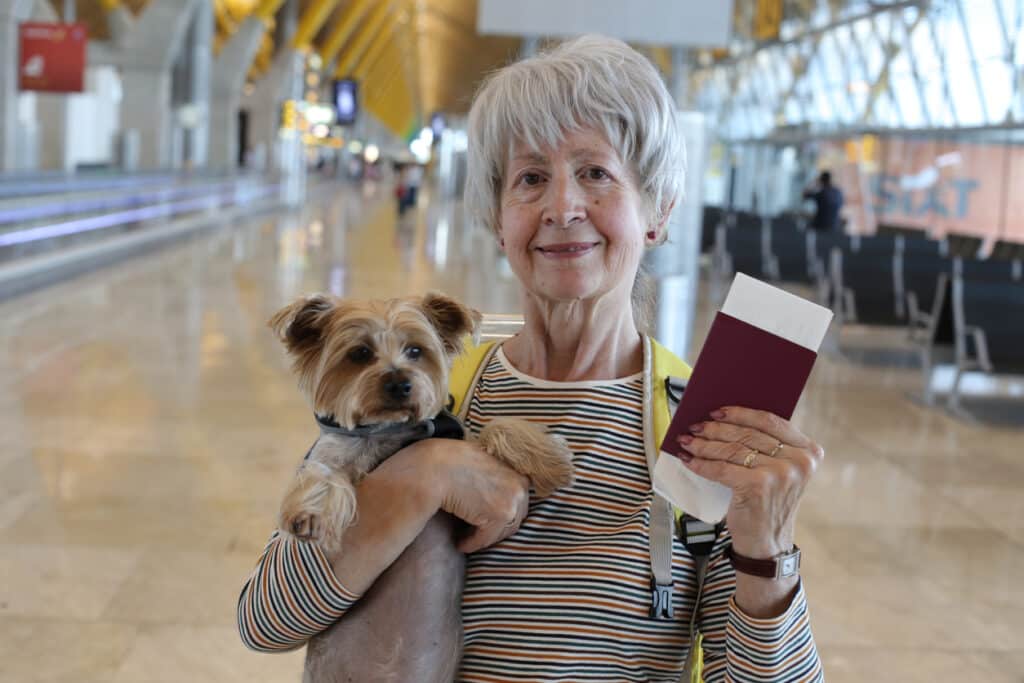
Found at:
(668, 377)
(662, 517)
(466, 372)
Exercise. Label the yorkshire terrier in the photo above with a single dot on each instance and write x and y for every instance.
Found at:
(376, 374)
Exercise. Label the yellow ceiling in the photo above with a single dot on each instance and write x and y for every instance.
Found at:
(452, 56)
(446, 56)
(443, 58)
(440, 46)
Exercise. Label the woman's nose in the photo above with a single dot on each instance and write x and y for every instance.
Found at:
(565, 203)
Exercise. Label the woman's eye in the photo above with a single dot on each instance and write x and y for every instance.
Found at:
(530, 178)
(360, 354)
(596, 174)
(414, 352)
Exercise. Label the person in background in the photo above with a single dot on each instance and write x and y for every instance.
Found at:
(828, 200)
(412, 177)
(400, 191)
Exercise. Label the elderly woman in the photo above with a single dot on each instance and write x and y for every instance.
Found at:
(575, 163)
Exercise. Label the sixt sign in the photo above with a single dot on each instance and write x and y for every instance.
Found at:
(943, 198)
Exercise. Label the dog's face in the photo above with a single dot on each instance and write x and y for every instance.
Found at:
(375, 362)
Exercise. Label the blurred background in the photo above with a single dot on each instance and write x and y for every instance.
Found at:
(174, 171)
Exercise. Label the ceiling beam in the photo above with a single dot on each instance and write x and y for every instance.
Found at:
(267, 9)
(354, 50)
(342, 31)
(391, 102)
(384, 36)
(824, 28)
(311, 22)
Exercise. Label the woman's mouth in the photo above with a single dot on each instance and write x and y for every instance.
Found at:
(567, 249)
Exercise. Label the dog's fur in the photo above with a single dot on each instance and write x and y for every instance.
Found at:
(382, 363)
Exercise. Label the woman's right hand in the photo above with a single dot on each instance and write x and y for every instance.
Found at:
(479, 490)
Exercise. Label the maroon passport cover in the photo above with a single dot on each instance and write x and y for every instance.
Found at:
(741, 365)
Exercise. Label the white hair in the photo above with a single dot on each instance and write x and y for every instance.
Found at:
(590, 82)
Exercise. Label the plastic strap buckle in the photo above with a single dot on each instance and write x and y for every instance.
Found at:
(661, 600)
(698, 537)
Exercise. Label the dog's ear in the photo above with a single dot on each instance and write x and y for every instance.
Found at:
(452, 320)
(301, 323)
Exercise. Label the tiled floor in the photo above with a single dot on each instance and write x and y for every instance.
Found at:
(148, 424)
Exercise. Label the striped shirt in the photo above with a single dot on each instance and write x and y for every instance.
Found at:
(567, 597)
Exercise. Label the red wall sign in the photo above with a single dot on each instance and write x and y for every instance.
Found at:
(52, 57)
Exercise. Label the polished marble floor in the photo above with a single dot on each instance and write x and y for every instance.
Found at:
(148, 423)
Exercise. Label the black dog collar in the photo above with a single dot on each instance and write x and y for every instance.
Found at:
(442, 426)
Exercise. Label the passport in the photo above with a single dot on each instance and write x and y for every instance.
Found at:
(758, 354)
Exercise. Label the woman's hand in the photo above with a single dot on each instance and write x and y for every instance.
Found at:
(767, 462)
(481, 491)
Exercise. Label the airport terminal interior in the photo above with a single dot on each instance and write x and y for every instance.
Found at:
(172, 172)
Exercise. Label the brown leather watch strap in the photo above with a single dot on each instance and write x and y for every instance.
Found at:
(778, 567)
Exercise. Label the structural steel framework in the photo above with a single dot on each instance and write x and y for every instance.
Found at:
(870, 66)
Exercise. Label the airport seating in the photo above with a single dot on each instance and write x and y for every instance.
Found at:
(922, 265)
(711, 218)
(931, 327)
(1007, 251)
(866, 280)
(963, 246)
(901, 230)
(792, 250)
(988, 317)
(790, 219)
(741, 246)
(747, 220)
(824, 243)
(989, 269)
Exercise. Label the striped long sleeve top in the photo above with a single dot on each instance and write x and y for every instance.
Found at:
(566, 598)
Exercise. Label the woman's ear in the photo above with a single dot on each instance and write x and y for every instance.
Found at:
(665, 214)
(657, 234)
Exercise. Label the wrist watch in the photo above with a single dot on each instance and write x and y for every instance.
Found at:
(778, 567)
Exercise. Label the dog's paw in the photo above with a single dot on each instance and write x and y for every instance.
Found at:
(529, 449)
(552, 467)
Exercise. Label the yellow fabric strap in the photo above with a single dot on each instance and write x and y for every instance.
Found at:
(697, 672)
(664, 364)
(463, 371)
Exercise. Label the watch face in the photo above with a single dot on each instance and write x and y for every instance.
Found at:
(789, 565)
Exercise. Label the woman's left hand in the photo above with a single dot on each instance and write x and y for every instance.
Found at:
(767, 462)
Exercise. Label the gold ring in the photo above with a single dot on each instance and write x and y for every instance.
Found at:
(749, 460)
(776, 450)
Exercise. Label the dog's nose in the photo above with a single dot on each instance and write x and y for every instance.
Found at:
(398, 387)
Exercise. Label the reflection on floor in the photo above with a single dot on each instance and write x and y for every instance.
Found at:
(148, 423)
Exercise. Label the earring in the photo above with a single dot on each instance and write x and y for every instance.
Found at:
(652, 235)
(502, 242)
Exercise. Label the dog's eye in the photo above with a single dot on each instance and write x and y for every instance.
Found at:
(414, 352)
(360, 354)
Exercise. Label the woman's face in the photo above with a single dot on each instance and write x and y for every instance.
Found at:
(572, 219)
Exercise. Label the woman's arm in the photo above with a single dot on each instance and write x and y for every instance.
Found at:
(291, 595)
(397, 499)
(394, 503)
(741, 647)
(295, 591)
(767, 462)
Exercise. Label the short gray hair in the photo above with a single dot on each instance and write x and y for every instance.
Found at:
(590, 82)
